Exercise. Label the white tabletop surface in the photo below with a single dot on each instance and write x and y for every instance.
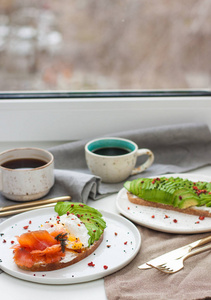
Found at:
(14, 288)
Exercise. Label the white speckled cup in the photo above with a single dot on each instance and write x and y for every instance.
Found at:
(28, 183)
(115, 168)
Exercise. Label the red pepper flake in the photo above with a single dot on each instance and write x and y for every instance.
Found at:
(81, 205)
(12, 242)
(175, 220)
(57, 222)
(78, 215)
(201, 218)
(105, 267)
(25, 227)
(68, 213)
(72, 205)
(180, 197)
(197, 222)
(91, 264)
(153, 216)
(30, 222)
(166, 217)
(125, 243)
(94, 230)
(52, 225)
(58, 217)
(4, 241)
(154, 180)
(128, 208)
(108, 246)
(198, 192)
(115, 233)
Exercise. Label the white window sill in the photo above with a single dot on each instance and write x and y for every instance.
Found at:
(58, 120)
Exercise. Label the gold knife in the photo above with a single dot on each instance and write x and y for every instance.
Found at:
(175, 253)
(19, 208)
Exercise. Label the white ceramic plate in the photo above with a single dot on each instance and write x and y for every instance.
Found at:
(161, 219)
(115, 252)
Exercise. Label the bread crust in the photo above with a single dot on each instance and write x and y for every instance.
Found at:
(71, 257)
(190, 210)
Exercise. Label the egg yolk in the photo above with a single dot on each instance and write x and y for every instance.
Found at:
(74, 242)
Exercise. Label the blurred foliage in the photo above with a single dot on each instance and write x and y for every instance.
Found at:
(104, 44)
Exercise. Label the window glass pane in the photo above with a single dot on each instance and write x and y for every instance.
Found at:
(104, 44)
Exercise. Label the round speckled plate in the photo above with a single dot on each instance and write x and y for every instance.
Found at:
(161, 219)
(120, 245)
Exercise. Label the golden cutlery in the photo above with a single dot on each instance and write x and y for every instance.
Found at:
(176, 264)
(175, 253)
(19, 208)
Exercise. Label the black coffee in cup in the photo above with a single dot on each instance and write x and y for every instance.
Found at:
(111, 151)
(23, 163)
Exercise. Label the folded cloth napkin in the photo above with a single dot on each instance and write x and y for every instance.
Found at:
(192, 282)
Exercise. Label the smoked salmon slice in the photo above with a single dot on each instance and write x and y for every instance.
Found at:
(36, 240)
(36, 246)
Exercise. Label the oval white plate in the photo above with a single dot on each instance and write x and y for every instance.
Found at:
(161, 219)
(115, 252)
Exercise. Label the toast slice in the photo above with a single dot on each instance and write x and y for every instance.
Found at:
(65, 239)
(171, 193)
(196, 211)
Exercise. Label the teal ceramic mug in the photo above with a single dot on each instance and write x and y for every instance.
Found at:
(114, 159)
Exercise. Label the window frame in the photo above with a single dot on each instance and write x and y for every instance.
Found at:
(65, 116)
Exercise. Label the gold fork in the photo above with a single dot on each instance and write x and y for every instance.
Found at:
(175, 265)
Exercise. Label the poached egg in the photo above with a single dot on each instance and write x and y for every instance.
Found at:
(77, 233)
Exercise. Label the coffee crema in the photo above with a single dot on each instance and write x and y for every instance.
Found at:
(111, 151)
(24, 163)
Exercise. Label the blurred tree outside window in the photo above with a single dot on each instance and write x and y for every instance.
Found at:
(104, 45)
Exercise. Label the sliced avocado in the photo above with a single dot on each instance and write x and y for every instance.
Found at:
(181, 194)
(135, 185)
(127, 185)
(90, 216)
(188, 202)
(150, 190)
(205, 199)
(177, 192)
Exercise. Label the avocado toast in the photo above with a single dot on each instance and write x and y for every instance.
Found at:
(171, 193)
(67, 238)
